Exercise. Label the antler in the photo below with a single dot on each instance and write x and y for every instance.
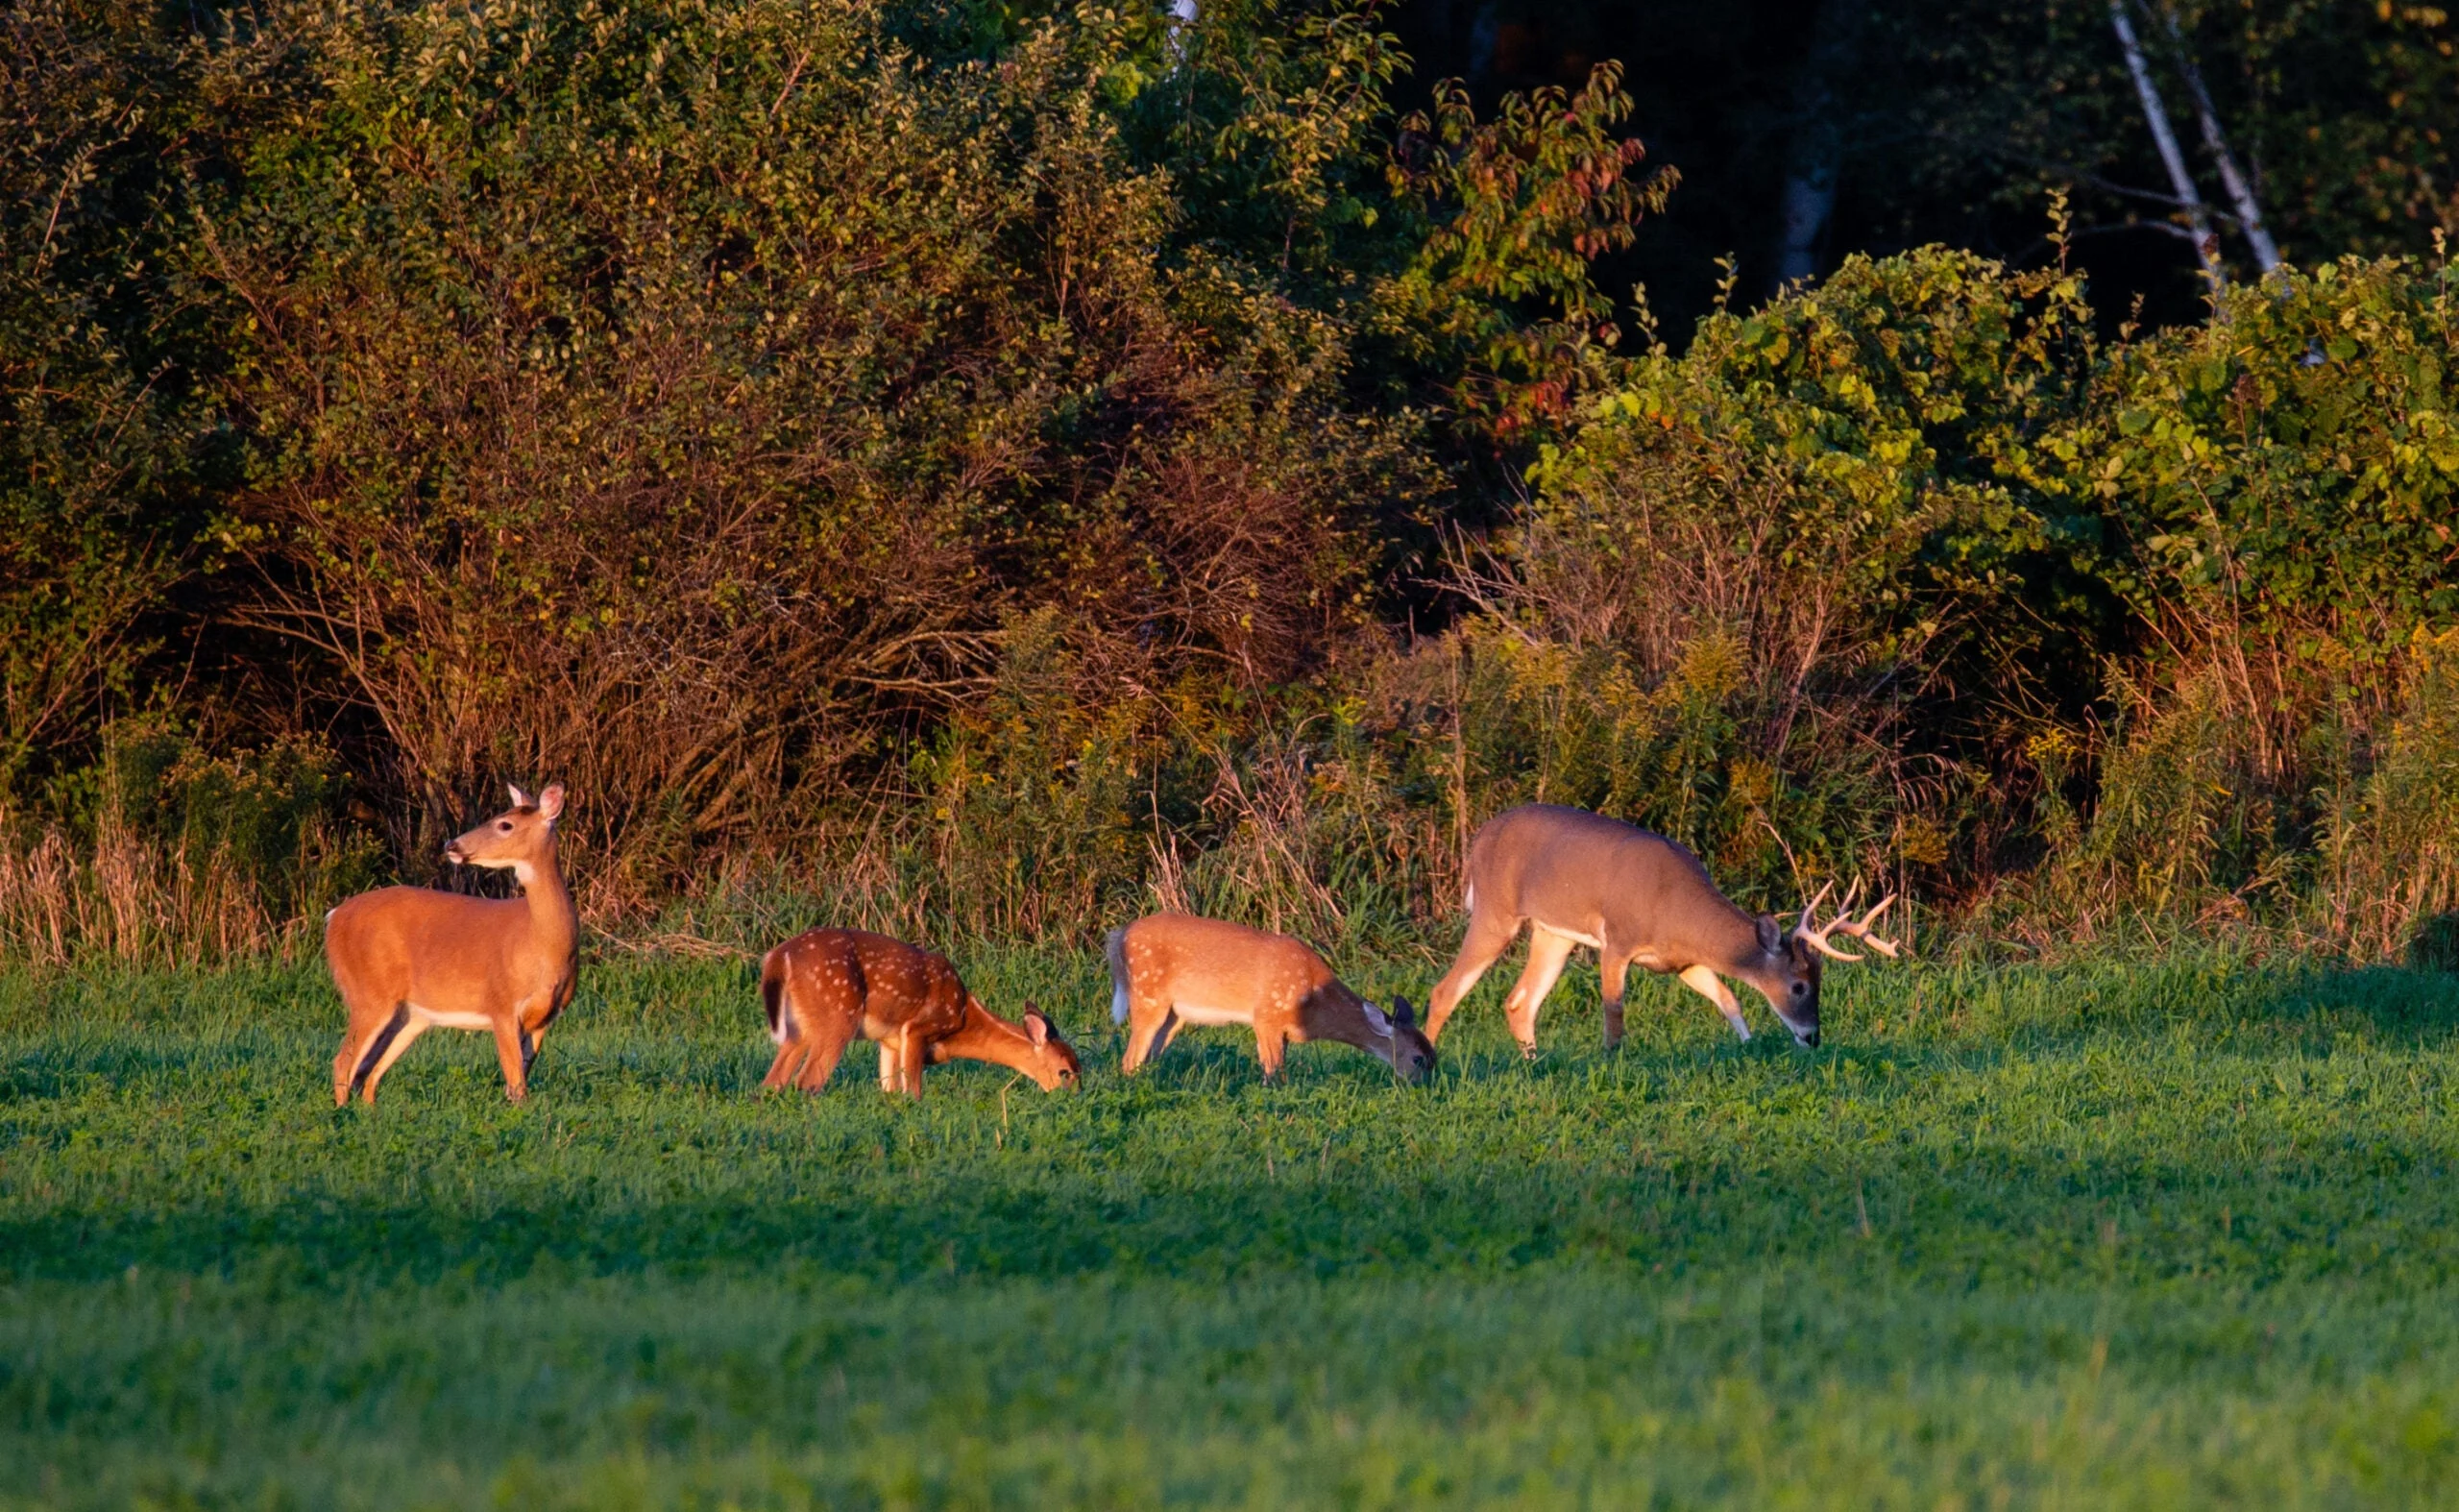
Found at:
(1816, 935)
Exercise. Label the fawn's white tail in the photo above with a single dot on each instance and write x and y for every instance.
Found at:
(1117, 952)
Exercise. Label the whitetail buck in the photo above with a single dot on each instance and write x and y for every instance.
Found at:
(1173, 969)
(407, 959)
(1637, 898)
(825, 988)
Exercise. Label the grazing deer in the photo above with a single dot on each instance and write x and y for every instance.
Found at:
(824, 989)
(1637, 899)
(408, 959)
(1174, 969)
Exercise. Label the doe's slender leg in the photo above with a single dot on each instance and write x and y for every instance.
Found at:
(1548, 952)
(411, 1027)
(1487, 937)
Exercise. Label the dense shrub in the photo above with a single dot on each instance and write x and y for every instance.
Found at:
(983, 468)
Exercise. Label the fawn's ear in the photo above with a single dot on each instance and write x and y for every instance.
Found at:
(1036, 1026)
(520, 800)
(551, 802)
(1403, 1014)
(1770, 938)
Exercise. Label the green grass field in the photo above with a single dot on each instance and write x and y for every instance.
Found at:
(2108, 1235)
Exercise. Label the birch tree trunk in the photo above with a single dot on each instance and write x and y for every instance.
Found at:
(2207, 246)
(2241, 190)
(1816, 155)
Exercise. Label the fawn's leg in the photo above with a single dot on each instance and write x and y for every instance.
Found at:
(1149, 1023)
(827, 1039)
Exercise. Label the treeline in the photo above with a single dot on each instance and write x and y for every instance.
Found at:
(972, 469)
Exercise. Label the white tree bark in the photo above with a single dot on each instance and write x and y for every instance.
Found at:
(1816, 157)
(2156, 114)
(2241, 190)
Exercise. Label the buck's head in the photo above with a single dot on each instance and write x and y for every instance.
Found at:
(517, 840)
(1412, 1051)
(1054, 1063)
(1795, 958)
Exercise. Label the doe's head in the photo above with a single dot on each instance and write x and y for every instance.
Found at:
(514, 839)
(1054, 1063)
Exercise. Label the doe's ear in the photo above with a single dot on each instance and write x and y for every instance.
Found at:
(1770, 938)
(1403, 1014)
(551, 802)
(520, 800)
(1036, 1026)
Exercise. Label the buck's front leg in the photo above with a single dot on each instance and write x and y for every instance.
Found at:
(1614, 975)
(1711, 986)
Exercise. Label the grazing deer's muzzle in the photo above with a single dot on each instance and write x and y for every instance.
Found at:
(1810, 1040)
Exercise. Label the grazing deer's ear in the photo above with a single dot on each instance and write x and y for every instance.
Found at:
(1403, 1014)
(551, 802)
(1036, 1026)
(1770, 938)
(520, 800)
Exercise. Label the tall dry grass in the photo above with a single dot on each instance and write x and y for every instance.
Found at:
(127, 899)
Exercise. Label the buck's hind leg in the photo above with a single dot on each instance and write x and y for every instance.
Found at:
(1548, 952)
(1489, 937)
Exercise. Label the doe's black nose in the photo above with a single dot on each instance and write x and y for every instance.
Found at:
(1811, 1039)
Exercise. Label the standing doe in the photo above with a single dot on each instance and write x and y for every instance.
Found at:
(1637, 898)
(1173, 969)
(407, 959)
(824, 989)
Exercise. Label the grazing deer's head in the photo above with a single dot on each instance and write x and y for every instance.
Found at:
(1412, 1051)
(1794, 959)
(514, 840)
(1054, 1063)
(1412, 1054)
